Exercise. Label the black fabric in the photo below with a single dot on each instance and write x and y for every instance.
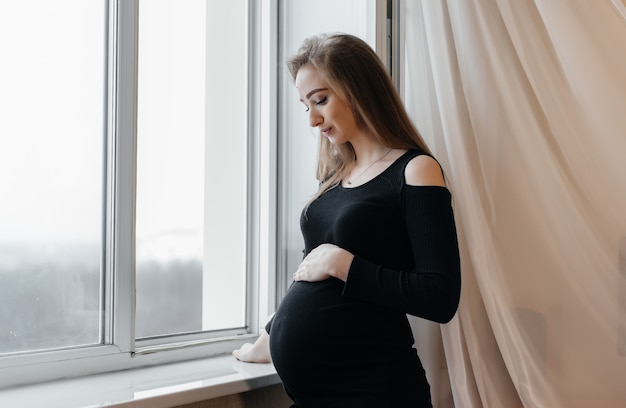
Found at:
(350, 345)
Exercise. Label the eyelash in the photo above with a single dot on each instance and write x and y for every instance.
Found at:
(320, 102)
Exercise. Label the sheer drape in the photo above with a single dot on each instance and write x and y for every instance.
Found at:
(524, 104)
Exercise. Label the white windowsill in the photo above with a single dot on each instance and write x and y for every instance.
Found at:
(160, 386)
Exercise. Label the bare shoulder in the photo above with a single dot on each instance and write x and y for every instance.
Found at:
(423, 170)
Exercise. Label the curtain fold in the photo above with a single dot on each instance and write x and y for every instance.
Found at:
(524, 104)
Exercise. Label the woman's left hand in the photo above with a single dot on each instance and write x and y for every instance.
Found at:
(323, 262)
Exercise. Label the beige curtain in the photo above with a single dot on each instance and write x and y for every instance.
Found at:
(524, 103)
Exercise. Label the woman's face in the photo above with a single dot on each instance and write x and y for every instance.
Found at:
(327, 110)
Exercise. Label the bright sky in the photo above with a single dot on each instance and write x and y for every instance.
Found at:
(51, 96)
(52, 115)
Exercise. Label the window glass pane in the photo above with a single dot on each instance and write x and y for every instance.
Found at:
(51, 173)
(191, 169)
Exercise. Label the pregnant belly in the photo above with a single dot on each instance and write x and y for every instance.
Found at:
(311, 313)
(317, 331)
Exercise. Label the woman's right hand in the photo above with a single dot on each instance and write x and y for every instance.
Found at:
(259, 352)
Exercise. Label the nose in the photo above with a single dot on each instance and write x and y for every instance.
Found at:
(315, 119)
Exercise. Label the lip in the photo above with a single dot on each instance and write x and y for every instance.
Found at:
(326, 131)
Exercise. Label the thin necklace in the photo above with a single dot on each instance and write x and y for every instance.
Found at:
(349, 181)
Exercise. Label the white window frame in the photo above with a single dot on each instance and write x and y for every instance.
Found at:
(120, 351)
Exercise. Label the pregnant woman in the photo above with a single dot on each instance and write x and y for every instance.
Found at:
(380, 242)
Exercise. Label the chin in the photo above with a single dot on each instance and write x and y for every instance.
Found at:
(335, 141)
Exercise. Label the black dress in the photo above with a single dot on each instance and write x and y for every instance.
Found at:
(337, 344)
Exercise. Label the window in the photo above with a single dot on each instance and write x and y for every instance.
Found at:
(191, 167)
(139, 143)
(136, 182)
(51, 165)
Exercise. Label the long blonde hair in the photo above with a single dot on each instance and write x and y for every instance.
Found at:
(354, 71)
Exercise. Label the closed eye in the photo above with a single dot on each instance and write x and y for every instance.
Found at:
(319, 103)
(322, 101)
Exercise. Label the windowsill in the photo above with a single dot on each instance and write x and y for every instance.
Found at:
(160, 386)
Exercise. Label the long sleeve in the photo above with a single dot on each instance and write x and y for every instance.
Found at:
(432, 289)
